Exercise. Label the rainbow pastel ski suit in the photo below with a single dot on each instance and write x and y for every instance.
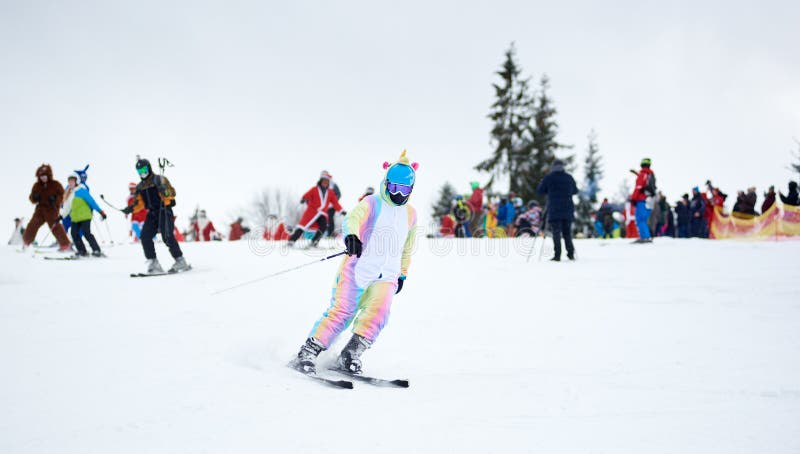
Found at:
(364, 287)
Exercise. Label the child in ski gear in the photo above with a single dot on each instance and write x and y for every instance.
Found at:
(155, 193)
(66, 206)
(642, 194)
(373, 272)
(83, 204)
(559, 187)
(47, 194)
(138, 216)
(318, 200)
(530, 221)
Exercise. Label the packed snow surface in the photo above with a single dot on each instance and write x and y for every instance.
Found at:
(676, 347)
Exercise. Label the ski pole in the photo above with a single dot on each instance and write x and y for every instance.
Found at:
(106, 202)
(279, 273)
(108, 230)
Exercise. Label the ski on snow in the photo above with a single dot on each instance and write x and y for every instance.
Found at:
(343, 384)
(164, 273)
(387, 383)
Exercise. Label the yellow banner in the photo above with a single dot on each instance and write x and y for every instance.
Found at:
(779, 221)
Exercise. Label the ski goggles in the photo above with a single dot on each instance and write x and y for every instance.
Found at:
(397, 188)
(143, 170)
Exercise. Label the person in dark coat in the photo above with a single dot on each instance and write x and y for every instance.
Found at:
(559, 187)
(683, 216)
(793, 198)
(769, 200)
(697, 209)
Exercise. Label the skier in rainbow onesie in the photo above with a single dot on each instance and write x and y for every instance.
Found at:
(379, 238)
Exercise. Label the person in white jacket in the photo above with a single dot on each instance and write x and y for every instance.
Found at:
(379, 238)
(66, 207)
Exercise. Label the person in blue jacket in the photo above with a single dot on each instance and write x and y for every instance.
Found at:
(505, 213)
(83, 204)
(559, 187)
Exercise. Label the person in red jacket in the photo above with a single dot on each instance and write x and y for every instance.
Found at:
(237, 230)
(475, 204)
(642, 198)
(275, 230)
(204, 229)
(318, 200)
(137, 217)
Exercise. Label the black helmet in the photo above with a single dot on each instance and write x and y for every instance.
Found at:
(141, 165)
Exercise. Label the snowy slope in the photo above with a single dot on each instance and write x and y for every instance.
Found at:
(680, 346)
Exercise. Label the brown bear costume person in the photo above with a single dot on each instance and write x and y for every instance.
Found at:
(47, 195)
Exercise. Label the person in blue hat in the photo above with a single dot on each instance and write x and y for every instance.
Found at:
(379, 236)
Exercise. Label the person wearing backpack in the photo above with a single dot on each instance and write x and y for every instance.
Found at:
(642, 197)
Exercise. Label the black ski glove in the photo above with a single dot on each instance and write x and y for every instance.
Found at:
(353, 245)
(103, 215)
(399, 285)
(128, 209)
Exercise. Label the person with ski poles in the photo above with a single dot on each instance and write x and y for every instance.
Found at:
(318, 200)
(157, 195)
(374, 270)
(83, 204)
(47, 194)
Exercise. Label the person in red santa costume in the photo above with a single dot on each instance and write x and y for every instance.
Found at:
(275, 229)
(318, 200)
(204, 229)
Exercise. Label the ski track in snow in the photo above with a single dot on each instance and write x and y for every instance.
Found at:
(680, 346)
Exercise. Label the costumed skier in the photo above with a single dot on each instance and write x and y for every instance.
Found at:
(642, 196)
(48, 195)
(156, 194)
(66, 206)
(318, 200)
(373, 272)
(83, 204)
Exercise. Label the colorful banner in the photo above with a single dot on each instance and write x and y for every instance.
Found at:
(779, 222)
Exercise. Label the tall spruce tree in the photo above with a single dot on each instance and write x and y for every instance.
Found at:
(511, 131)
(445, 200)
(592, 174)
(545, 145)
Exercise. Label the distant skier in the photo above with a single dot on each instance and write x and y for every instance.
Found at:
(275, 229)
(204, 229)
(332, 210)
(793, 197)
(238, 230)
(47, 194)
(83, 204)
(16, 235)
(138, 216)
(643, 196)
(462, 215)
(156, 194)
(559, 187)
(529, 222)
(318, 200)
(373, 272)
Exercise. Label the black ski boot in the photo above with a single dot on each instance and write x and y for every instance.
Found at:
(350, 358)
(304, 362)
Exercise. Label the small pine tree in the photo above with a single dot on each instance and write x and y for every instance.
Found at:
(795, 166)
(545, 145)
(511, 132)
(592, 174)
(445, 201)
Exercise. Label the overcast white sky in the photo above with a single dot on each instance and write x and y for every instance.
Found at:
(241, 95)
